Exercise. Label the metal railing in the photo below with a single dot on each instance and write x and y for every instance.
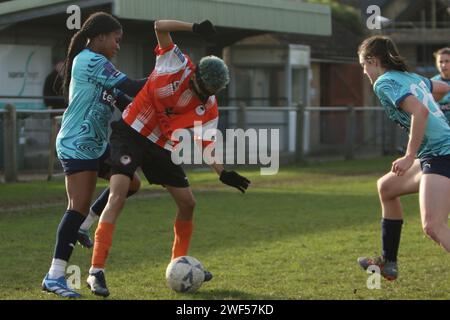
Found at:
(350, 131)
(28, 136)
(14, 123)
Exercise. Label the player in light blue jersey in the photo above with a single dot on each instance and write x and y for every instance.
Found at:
(443, 64)
(93, 87)
(408, 100)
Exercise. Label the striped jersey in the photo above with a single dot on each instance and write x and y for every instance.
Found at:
(167, 102)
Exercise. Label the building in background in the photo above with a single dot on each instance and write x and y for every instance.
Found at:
(281, 54)
(43, 23)
(271, 78)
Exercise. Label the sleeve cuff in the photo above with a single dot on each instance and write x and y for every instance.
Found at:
(121, 80)
(400, 100)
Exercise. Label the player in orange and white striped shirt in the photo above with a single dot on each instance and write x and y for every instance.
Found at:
(169, 100)
(177, 94)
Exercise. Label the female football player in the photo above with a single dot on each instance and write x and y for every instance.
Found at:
(176, 95)
(407, 99)
(93, 87)
(442, 57)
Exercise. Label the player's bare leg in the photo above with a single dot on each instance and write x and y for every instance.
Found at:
(97, 208)
(80, 187)
(434, 208)
(390, 188)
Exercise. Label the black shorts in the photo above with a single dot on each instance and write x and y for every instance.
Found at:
(438, 165)
(130, 150)
(101, 165)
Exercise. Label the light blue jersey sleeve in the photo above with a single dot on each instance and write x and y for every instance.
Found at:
(437, 77)
(393, 87)
(103, 72)
(428, 83)
(391, 91)
(445, 101)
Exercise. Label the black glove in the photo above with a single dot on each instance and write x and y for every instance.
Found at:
(233, 179)
(204, 28)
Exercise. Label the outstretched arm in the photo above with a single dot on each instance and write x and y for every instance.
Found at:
(218, 168)
(164, 27)
(440, 89)
(131, 87)
(230, 178)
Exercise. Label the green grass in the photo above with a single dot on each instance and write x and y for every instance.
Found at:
(295, 235)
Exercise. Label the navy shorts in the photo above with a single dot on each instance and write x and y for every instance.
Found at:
(101, 165)
(438, 165)
(130, 150)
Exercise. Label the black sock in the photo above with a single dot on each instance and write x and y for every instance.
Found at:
(66, 235)
(390, 237)
(130, 193)
(102, 200)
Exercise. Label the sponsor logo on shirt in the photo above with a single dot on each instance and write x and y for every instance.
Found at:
(175, 85)
(445, 107)
(109, 70)
(107, 98)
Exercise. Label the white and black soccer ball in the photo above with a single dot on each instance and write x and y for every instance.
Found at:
(185, 274)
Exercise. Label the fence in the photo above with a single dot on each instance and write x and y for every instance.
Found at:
(345, 131)
(27, 139)
(350, 132)
(27, 136)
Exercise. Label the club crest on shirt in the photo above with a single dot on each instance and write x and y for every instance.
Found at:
(168, 111)
(125, 160)
(108, 98)
(200, 110)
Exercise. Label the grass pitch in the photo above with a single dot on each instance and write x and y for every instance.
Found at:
(295, 235)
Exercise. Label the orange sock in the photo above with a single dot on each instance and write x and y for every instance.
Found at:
(183, 233)
(103, 242)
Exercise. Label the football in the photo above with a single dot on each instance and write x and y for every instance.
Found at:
(185, 274)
